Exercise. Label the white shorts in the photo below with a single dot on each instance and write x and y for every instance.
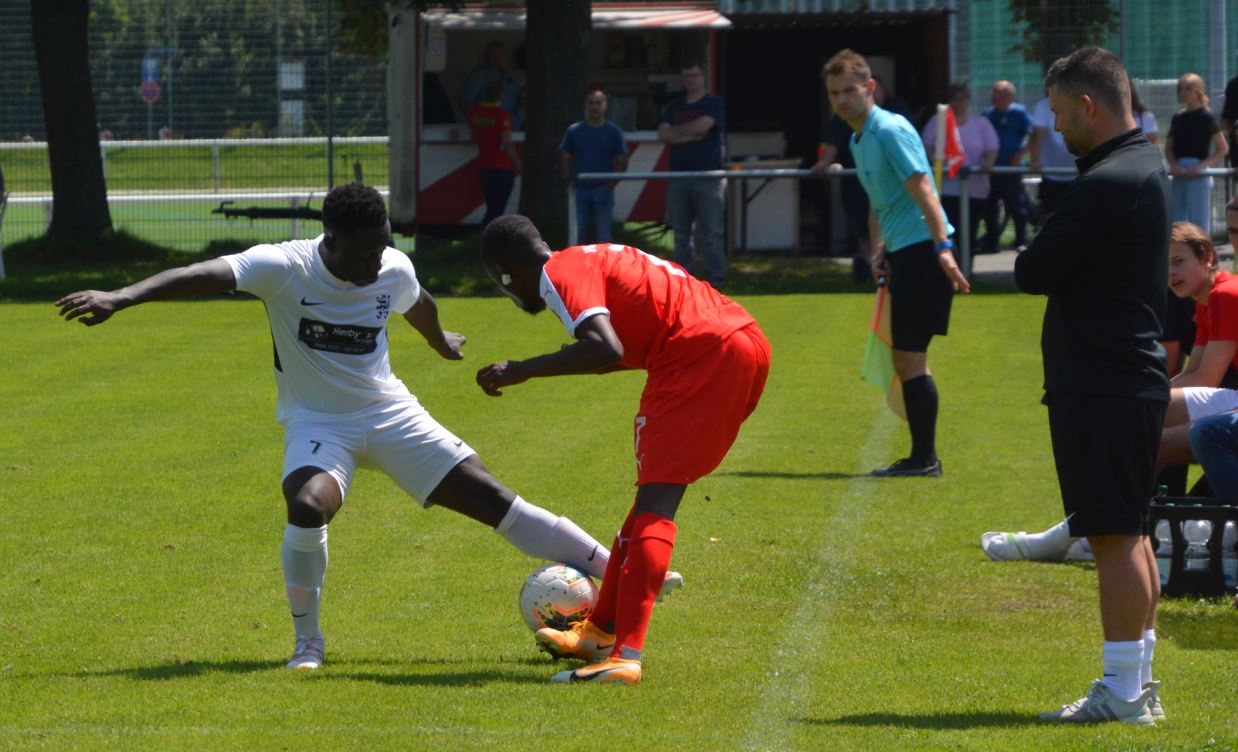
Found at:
(398, 437)
(1202, 401)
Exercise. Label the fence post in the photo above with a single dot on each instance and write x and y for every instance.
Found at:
(4, 205)
(571, 213)
(216, 172)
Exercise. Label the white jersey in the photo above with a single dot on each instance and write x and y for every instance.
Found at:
(330, 335)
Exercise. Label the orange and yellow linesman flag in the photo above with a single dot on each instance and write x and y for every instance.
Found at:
(878, 366)
(948, 148)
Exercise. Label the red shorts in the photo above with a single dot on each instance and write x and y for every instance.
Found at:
(690, 414)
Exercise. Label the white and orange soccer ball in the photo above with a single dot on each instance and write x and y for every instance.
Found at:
(556, 596)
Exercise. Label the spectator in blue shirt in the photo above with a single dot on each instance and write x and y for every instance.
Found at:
(693, 126)
(1013, 124)
(594, 145)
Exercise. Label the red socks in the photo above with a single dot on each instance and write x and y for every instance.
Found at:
(644, 560)
(603, 615)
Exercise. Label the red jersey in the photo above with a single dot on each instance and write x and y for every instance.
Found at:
(660, 313)
(489, 122)
(1219, 319)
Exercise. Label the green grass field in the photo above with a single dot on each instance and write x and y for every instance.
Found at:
(142, 607)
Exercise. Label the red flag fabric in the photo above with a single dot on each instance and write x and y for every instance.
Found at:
(954, 145)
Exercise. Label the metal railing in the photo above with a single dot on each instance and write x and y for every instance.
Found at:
(172, 153)
(963, 244)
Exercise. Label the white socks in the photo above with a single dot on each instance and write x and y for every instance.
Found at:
(1052, 544)
(1149, 648)
(542, 535)
(531, 529)
(1123, 663)
(304, 556)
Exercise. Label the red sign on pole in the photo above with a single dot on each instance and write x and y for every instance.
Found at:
(149, 91)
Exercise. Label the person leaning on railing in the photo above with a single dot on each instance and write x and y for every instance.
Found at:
(1194, 144)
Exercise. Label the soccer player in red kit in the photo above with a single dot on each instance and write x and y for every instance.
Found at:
(707, 361)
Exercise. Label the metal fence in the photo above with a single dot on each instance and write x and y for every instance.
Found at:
(740, 180)
(206, 69)
(200, 103)
(190, 194)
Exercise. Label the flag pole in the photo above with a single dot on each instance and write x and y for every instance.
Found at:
(939, 147)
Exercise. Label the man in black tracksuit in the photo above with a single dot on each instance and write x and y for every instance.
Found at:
(1101, 261)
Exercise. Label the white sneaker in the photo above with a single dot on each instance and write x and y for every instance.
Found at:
(1101, 706)
(1154, 701)
(1012, 547)
(310, 653)
(672, 582)
(1080, 550)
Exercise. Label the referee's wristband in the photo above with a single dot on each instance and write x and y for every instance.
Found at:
(945, 245)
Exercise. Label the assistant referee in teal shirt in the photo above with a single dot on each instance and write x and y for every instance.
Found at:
(911, 245)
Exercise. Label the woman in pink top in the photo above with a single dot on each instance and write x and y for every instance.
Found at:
(979, 141)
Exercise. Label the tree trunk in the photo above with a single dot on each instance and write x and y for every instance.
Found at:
(557, 43)
(79, 195)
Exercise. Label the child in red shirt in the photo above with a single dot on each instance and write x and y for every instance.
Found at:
(498, 161)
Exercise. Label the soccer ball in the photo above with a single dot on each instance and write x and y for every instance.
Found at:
(556, 596)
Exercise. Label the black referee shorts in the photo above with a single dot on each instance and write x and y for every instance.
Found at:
(1105, 451)
(920, 297)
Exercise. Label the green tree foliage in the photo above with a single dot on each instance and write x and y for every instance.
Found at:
(1053, 28)
(219, 66)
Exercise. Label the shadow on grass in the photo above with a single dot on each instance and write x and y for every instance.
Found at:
(183, 668)
(431, 673)
(439, 672)
(823, 475)
(937, 721)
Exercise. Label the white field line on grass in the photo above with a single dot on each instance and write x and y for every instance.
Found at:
(789, 674)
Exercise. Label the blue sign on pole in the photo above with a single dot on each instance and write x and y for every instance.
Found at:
(150, 68)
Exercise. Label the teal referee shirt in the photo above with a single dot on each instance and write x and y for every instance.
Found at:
(887, 152)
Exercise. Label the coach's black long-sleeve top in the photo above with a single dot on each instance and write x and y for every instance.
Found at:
(1102, 259)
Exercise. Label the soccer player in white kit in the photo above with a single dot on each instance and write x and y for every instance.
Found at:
(328, 301)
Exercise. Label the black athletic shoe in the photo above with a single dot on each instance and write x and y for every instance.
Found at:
(908, 467)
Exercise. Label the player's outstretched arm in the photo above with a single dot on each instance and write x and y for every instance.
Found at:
(95, 306)
(596, 350)
(423, 317)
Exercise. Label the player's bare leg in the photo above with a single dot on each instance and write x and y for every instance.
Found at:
(312, 497)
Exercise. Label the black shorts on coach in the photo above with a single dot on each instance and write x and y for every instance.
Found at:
(1104, 447)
